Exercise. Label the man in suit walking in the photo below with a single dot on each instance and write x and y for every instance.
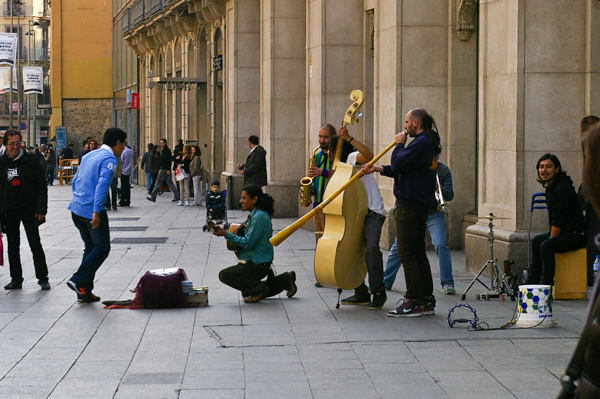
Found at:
(255, 168)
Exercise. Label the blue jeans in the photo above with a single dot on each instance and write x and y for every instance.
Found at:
(149, 177)
(437, 230)
(97, 248)
(50, 174)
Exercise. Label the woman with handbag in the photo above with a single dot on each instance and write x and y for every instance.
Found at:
(182, 175)
(196, 172)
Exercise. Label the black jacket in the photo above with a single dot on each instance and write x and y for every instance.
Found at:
(255, 168)
(31, 178)
(564, 209)
(166, 158)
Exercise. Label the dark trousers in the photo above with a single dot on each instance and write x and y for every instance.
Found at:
(543, 249)
(50, 174)
(248, 279)
(154, 176)
(125, 191)
(13, 237)
(164, 177)
(111, 196)
(411, 224)
(373, 255)
(96, 250)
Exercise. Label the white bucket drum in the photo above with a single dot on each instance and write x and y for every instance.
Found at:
(535, 306)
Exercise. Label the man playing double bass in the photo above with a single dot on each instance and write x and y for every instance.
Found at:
(413, 169)
(321, 173)
(374, 220)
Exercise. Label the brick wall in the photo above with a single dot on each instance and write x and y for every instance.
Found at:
(86, 117)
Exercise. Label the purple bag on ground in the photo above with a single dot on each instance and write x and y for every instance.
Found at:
(160, 289)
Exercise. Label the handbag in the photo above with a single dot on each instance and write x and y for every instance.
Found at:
(204, 174)
(180, 173)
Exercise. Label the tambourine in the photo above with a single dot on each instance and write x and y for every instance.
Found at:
(473, 321)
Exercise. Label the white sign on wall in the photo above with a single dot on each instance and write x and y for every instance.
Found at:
(33, 80)
(8, 48)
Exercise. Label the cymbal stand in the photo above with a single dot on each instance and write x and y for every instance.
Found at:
(499, 281)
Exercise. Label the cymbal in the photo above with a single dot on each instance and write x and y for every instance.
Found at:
(490, 217)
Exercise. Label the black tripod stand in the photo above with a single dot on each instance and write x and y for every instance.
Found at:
(500, 281)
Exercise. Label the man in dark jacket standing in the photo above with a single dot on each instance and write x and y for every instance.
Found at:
(413, 168)
(164, 174)
(23, 199)
(567, 226)
(255, 168)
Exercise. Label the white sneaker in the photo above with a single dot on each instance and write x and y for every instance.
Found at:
(187, 203)
(180, 203)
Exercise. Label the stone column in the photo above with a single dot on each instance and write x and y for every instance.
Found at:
(535, 71)
(283, 93)
(241, 86)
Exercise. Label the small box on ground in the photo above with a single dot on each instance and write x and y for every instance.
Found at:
(198, 297)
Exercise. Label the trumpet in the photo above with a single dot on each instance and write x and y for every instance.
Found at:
(438, 194)
(306, 182)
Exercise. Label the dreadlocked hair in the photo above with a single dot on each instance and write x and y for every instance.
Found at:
(428, 124)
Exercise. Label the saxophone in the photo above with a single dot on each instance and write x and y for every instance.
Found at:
(306, 182)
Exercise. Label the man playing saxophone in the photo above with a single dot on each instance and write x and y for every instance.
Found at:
(321, 172)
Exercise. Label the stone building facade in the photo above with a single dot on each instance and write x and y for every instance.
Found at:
(506, 81)
(86, 118)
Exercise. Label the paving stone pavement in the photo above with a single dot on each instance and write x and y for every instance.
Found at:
(303, 347)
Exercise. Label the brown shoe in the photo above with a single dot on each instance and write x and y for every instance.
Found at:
(257, 297)
(293, 287)
(114, 208)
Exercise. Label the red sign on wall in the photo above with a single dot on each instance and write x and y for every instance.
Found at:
(135, 100)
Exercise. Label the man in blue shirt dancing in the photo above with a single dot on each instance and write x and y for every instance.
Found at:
(90, 186)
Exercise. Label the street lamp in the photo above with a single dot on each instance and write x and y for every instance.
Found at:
(12, 14)
(29, 33)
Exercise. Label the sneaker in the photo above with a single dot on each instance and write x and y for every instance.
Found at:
(378, 301)
(357, 300)
(83, 295)
(180, 203)
(428, 305)
(187, 203)
(448, 290)
(293, 287)
(409, 308)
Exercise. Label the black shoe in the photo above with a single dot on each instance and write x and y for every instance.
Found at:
(150, 199)
(293, 287)
(175, 200)
(13, 286)
(378, 301)
(357, 300)
(318, 285)
(45, 285)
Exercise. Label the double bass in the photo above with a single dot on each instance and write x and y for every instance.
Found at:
(340, 255)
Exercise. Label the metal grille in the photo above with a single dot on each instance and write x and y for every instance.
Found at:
(123, 219)
(139, 240)
(129, 228)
